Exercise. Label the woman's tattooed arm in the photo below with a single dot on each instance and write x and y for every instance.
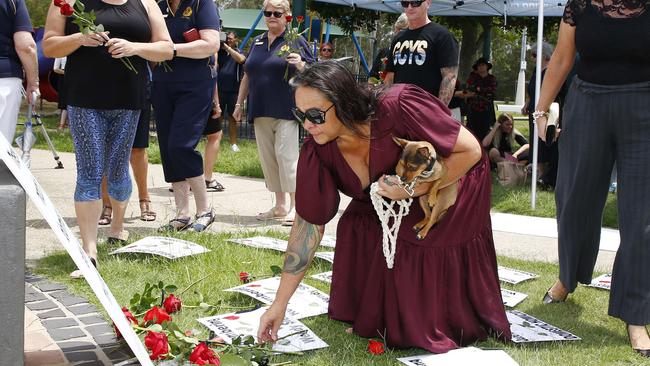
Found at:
(303, 241)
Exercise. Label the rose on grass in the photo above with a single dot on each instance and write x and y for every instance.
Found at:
(172, 304)
(129, 317)
(375, 347)
(203, 355)
(158, 344)
(244, 277)
(156, 315)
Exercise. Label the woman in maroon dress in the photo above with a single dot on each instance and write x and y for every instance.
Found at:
(443, 291)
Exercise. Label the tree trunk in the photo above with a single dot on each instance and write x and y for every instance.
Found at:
(469, 46)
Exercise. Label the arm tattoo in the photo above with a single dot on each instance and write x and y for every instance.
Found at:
(303, 241)
(448, 83)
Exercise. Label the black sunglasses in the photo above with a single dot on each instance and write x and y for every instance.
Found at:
(326, 50)
(413, 3)
(277, 14)
(314, 115)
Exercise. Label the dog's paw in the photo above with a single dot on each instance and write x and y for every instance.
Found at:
(419, 236)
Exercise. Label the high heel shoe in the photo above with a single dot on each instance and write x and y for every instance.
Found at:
(548, 297)
(642, 352)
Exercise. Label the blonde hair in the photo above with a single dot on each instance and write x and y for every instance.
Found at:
(279, 4)
(496, 140)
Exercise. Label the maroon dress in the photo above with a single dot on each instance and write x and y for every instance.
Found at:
(443, 292)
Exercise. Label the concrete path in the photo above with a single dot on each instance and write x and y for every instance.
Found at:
(236, 208)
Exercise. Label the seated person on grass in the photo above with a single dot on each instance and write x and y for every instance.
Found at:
(501, 139)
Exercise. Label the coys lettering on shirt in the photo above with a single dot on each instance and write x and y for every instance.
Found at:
(410, 52)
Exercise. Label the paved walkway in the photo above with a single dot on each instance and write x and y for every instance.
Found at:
(70, 331)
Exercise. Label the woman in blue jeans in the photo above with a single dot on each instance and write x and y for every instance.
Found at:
(104, 100)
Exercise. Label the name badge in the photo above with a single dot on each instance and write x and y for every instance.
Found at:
(259, 43)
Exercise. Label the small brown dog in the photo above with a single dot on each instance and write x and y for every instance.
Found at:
(420, 163)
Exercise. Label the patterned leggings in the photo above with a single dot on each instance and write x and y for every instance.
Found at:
(102, 141)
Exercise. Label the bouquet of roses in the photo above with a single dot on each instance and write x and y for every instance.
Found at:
(170, 345)
(382, 73)
(291, 36)
(86, 22)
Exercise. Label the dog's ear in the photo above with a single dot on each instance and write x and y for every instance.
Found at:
(400, 142)
(424, 152)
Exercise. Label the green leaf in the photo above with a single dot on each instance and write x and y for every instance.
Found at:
(200, 295)
(204, 306)
(276, 270)
(99, 28)
(236, 341)
(171, 289)
(233, 360)
(161, 285)
(155, 328)
(248, 340)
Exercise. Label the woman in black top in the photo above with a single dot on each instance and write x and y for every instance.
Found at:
(104, 100)
(500, 141)
(606, 120)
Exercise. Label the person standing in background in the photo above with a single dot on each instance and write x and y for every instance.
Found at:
(17, 61)
(481, 87)
(425, 54)
(230, 60)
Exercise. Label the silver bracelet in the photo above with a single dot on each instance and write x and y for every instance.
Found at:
(539, 114)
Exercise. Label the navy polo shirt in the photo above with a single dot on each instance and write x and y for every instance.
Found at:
(199, 14)
(13, 18)
(230, 72)
(269, 94)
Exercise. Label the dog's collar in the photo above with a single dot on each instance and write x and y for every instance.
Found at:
(426, 173)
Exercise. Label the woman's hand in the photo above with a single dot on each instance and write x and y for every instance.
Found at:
(119, 47)
(391, 187)
(541, 128)
(270, 323)
(296, 60)
(216, 110)
(236, 114)
(93, 39)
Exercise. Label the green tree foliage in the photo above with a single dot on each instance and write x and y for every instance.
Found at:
(37, 11)
(349, 18)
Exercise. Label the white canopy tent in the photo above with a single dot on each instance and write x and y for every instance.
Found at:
(502, 8)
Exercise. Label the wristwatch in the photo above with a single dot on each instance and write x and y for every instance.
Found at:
(174, 48)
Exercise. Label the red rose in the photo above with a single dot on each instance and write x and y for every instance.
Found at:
(300, 18)
(58, 3)
(202, 355)
(288, 18)
(129, 317)
(66, 9)
(375, 347)
(172, 304)
(385, 60)
(156, 315)
(244, 277)
(382, 75)
(158, 344)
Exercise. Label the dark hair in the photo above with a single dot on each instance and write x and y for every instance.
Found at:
(355, 103)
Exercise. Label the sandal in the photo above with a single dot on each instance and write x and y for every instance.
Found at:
(106, 217)
(214, 186)
(77, 274)
(177, 224)
(120, 239)
(288, 220)
(203, 221)
(271, 214)
(145, 211)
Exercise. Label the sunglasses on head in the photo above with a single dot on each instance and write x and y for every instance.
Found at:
(413, 3)
(314, 115)
(277, 14)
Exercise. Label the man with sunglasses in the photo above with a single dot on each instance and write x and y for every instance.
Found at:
(425, 54)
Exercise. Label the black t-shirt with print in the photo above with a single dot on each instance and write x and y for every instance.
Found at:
(417, 55)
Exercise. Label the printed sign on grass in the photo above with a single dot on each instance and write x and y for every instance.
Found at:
(514, 276)
(328, 241)
(328, 256)
(527, 329)
(230, 326)
(306, 301)
(325, 277)
(462, 356)
(262, 242)
(45, 206)
(512, 298)
(603, 281)
(171, 248)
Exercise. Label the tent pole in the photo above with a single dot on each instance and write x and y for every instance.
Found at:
(250, 31)
(538, 87)
(363, 58)
(327, 30)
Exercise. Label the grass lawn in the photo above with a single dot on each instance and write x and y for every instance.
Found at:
(584, 314)
(246, 163)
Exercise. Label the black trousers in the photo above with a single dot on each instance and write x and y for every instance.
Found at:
(603, 125)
